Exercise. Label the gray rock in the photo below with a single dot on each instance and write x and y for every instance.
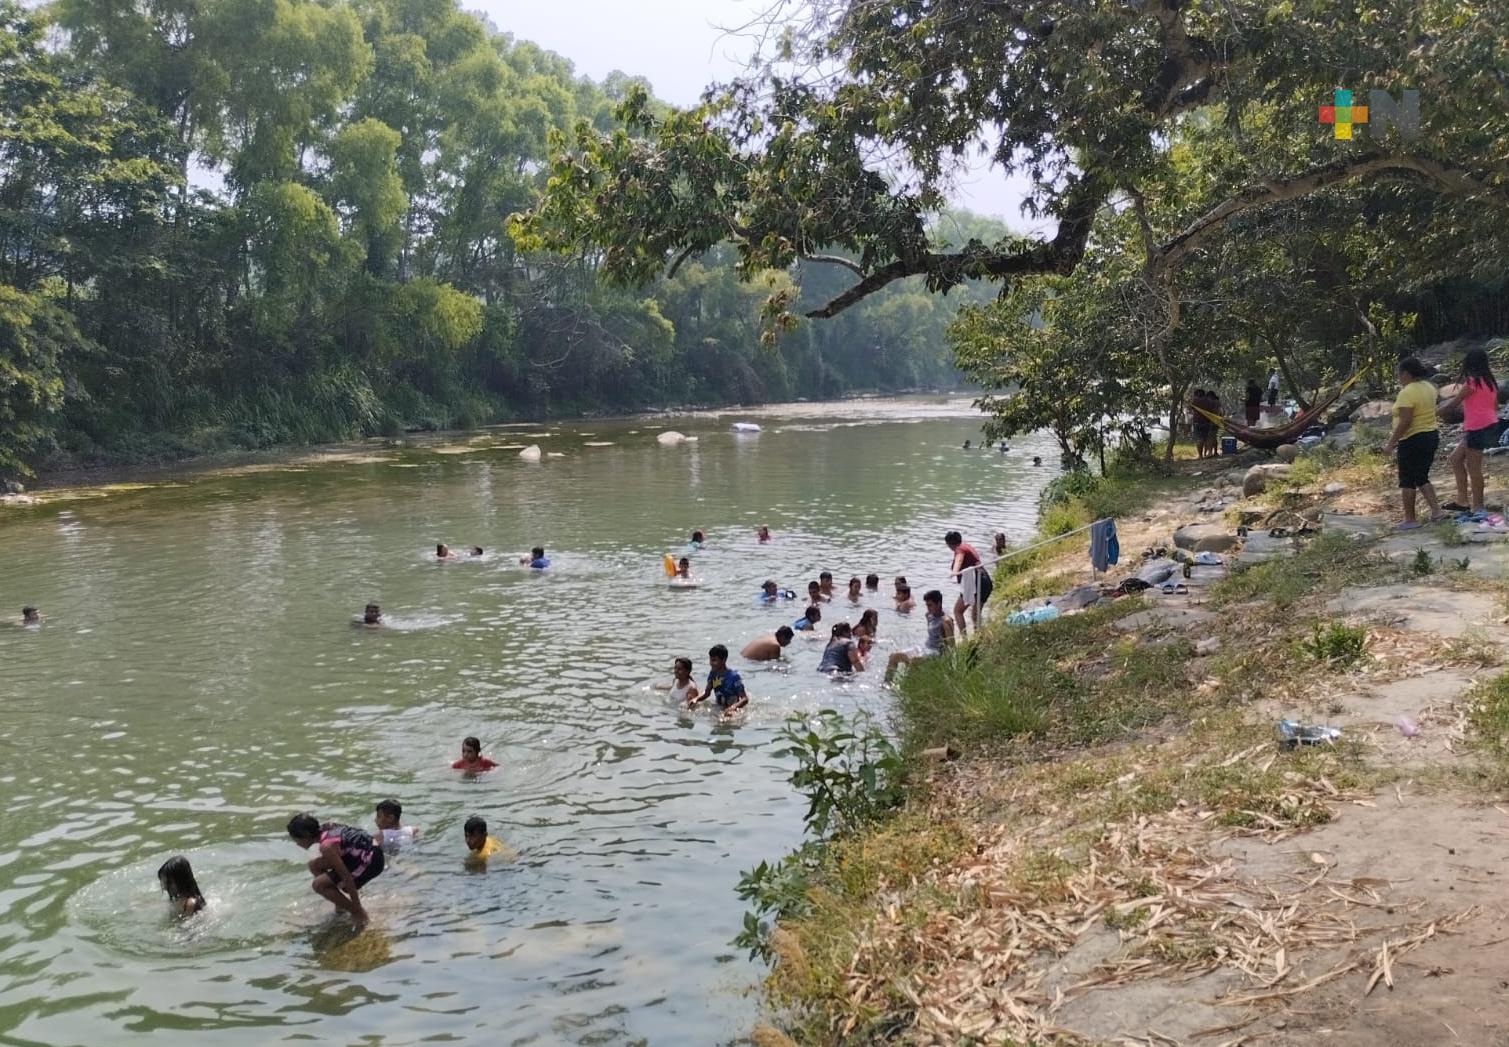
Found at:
(1287, 452)
(1334, 487)
(1209, 645)
(1374, 412)
(1257, 478)
(1077, 599)
(12, 487)
(1202, 538)
(1341, 439)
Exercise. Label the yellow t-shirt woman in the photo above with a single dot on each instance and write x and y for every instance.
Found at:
(1419, 395)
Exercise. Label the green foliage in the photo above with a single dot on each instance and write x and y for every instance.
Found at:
(851, 775)
(36, 339)
(1423, 563)
(1337, 644)
(1488, 719)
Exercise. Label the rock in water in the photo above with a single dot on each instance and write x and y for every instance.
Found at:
(531, 453)
(670, 438)
(1204, 538)
(1287, 453)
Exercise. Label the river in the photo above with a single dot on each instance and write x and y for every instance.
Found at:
(197, 680)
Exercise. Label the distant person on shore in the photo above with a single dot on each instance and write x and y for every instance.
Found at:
(809, 619)
(348, 860)
(872, 583)
(767, 648)
(1417, 436)
(176, 878)
(974, 581)
(856, 589)
(536, 560)
(1273, 387)
(940, 635)
(1199, 425)
(682, 687)
(1478, 395)
(763, 534)
(904, 602)
(479, 845)
(842, 653)
(1252, 404)
(392, 835)
(371, 617)
(724, 685)
(825, 584)
(472, 761)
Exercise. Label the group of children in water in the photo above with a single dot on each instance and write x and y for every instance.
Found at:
(348, 857)
(848, 648)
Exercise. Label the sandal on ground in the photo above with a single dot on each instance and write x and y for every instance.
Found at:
(1279, 532)
(1168, 588)
(1181, 589)
(1407, 525)
(1455, 507)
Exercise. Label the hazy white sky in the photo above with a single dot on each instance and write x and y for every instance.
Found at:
(681, 46)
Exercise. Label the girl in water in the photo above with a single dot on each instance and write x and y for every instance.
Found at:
(682, 687)
(177, 878)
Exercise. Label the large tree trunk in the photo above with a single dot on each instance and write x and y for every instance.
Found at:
(1288, 373)
(1176, 401)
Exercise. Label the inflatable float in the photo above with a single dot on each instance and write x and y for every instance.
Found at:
(745, 427)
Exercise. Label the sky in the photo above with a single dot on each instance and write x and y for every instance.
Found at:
(681, 46)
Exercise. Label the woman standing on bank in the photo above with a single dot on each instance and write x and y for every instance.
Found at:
(1417, 437)
(1478, 393)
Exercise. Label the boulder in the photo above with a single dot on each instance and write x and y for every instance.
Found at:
(1204, 538)
(11, 487)
(1334, 487)
(1374, 412)
(1257, 478)
(531, 453)
(1341, 439)
(1287, 452)
(670, 438)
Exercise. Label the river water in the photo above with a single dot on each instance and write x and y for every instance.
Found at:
(198, 680)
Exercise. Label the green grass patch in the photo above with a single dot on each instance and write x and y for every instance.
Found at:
(1488, 719)
(1074, 680)
(1323, 565)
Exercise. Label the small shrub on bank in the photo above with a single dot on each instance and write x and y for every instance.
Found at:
(1336, 644)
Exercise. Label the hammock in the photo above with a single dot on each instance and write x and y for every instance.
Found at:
(1271, 438)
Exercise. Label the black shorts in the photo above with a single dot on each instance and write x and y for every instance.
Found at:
(1481, 439)
(1415, 456)
(368, 873)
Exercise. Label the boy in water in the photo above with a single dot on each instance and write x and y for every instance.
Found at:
(872, 582)
(940, 635)
(479, 845)
(904, 602)
(476, 550)
(723, 683)
(767, 648)
(372, 616)
(536, 559)
(809, 619)
(825, 584)
(472, 761)
(348, 861)
(442, 551)
(684, 569)
(31, 616)
(855, 591)
(814, 593)
(393, 836)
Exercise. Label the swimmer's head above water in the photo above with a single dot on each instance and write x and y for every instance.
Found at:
(475, 832)
(698, 538)
(682, 670)
(783, 635)
(372, 615)
(770, 588)
(176, 877)
(442, 551)
(813, 614)
(476, 550)
(389, 814)
(30, 615)
(872, 582)
(304, 829)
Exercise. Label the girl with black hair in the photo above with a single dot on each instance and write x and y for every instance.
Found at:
(177, 878)
(1478, 395)
(1417, 436)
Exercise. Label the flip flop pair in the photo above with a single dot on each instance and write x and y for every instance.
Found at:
(1170, 589)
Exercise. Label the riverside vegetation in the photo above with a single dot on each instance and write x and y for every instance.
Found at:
(1114, 835)
(238, 224)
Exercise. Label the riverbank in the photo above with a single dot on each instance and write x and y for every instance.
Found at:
(1123, 852)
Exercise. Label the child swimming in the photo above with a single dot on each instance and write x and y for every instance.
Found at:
(177, 879)
(537, 560)
(348, 860)
(479, 845)
(682, 687)
(393, 836)
(471, 757)
(372, 616)
(723, 683)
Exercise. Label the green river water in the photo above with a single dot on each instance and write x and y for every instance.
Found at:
(197, 681)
